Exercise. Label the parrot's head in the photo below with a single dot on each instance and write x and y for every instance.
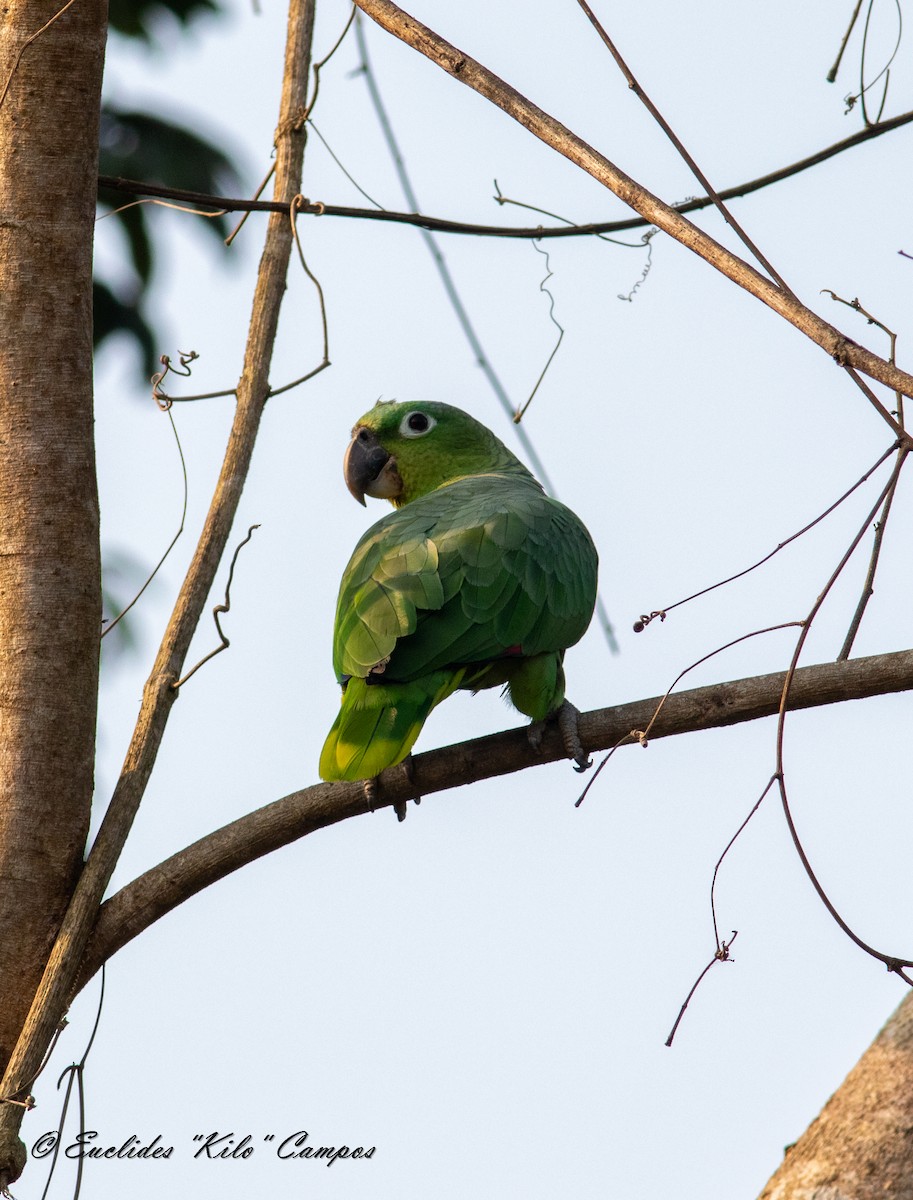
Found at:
(400, 451)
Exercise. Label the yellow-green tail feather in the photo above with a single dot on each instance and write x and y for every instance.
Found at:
(378, 724)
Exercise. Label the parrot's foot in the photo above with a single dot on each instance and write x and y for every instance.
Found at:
(370, 787)
(570, 735)
(370, 790)
(535, 732)
(567, 716)
(400, 807)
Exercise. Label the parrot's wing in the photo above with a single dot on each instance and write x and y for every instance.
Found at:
(392, 575)
(484, 567)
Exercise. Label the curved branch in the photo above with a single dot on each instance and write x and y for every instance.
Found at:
(846, 352)
(135, 187)
(143, 901)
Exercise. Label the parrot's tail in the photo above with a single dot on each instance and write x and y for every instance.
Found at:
(378, 724)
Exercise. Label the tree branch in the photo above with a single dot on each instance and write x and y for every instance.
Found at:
(859, 1146)
(159, 694)
(471, 73)
(50, 586)
(143, 901)
(135, 187)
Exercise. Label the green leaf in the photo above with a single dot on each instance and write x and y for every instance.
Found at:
(115, 315)
(137, 145)
(138, 18)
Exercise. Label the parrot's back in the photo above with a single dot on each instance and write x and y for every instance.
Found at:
(484, 581)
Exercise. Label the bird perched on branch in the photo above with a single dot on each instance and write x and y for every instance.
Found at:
(477, 579)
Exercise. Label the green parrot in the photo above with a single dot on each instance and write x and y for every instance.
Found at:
(478, 579)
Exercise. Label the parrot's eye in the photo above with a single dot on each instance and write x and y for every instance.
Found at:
(416, 424)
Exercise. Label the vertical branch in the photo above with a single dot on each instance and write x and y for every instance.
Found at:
(159, 693)
(50, 585)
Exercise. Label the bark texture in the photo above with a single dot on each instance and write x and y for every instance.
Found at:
(861, 1145)
(50, 588)
(50, 592)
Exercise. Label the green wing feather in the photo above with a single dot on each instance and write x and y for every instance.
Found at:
(484, 581)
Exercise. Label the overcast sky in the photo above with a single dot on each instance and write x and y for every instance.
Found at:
(483, 993)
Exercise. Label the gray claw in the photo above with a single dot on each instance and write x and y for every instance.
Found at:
(400, 807)
(570, 735)
(535, 732)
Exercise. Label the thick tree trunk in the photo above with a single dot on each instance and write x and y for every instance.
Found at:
(50, 592)
(861, 1145)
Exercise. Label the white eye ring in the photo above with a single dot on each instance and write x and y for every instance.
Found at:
(416, 424)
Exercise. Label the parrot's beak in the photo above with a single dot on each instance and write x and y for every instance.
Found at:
(369, 469)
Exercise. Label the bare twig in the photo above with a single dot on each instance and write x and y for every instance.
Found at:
(442, 225)
(192, 212)
(254, 205)
(721, 955)
(893, 963)
(321, 63)
(158, 891)
(646, 618)
(163, 399)
(501, 200)
(885, 70)
(351, 178)
(673, 138)
(868, 588)
(325, 361)
(633, 735)
(164, 404)
(302, 116)
(892, 339)
(647, 242)
(220, 609)
(719, 862)
(644, 735)
(644, 241)
(832, 73)
(75, 1073)
(294, 209)
(518, 415)
(857, 307)
(543, 126)
(167, 397)
(170, 545)
(22, 1097)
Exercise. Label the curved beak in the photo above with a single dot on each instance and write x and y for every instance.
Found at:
(369, 469)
